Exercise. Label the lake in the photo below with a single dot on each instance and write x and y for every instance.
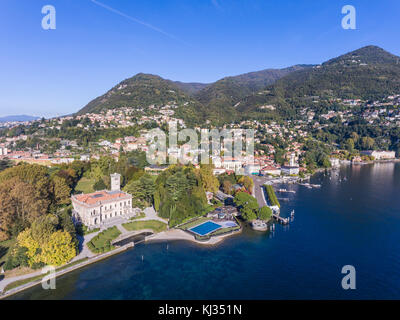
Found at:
(355, 222)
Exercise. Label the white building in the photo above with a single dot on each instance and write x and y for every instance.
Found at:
(380, 155)
(94, 209)
(3, 151)
(232, 164)
(335, 162)
(292, 168)
(271, 170)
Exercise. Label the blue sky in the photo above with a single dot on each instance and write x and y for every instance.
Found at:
(57, 72)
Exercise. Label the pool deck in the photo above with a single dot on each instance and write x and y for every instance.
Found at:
(177, 234)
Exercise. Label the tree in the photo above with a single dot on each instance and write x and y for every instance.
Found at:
(227, 186)
(59, 249)
(43, 227)
(32, 246)
(247, 182)
(181, 194)
(265, 213)
(142, 191)
(248, 206)
(350, 145)
(248, 214)
(5, 164)
(354, 136)
(33, 174)
(367, 143)
(61, 191)
(148, 186)
(99, 185)
(20, 205)
(209, 181)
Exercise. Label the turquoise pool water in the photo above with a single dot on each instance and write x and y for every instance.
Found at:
(206, 228)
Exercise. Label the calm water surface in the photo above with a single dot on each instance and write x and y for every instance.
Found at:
(354, 222)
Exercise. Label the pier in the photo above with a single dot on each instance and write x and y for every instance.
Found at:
(280, 219)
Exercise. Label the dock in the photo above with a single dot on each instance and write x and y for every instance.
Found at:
(280, 219)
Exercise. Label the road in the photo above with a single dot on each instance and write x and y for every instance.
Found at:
(258, 183)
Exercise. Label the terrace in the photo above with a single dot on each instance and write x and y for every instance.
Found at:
(203, 228)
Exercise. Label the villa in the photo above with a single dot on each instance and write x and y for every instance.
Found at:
(380, 155)
(94, 209)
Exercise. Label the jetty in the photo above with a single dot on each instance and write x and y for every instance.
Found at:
(280, 219)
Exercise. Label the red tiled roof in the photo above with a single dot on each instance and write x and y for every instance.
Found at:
(92, 198)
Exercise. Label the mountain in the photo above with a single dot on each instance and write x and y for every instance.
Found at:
(224, 95)
(20, 118)
(196, 101)
(366, 73)
(144, 90)
(190, 88)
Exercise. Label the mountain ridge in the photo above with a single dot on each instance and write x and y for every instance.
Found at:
(368, 72)
(19, 118)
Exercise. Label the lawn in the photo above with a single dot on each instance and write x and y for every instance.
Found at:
(102, 242)
(155, 225)
(140, 216)
(85, 185)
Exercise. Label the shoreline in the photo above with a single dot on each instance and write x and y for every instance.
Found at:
(67, 269)
(164, 236)
(178, 234)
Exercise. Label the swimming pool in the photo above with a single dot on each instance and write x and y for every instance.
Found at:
(205, 228)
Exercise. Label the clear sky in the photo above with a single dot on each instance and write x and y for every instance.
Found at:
(97, 44)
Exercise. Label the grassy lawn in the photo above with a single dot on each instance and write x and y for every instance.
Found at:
(140, 216)
(85, 185)
(102, 242)
(155, 225)
(4, 246)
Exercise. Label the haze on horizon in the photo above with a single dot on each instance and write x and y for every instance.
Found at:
(97, 44)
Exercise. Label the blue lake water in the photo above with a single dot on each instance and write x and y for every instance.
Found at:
(354, 222)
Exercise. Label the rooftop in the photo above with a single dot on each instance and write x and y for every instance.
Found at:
(100, 196)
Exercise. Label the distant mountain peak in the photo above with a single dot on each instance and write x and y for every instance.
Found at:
(368, 55)
(19, 118)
